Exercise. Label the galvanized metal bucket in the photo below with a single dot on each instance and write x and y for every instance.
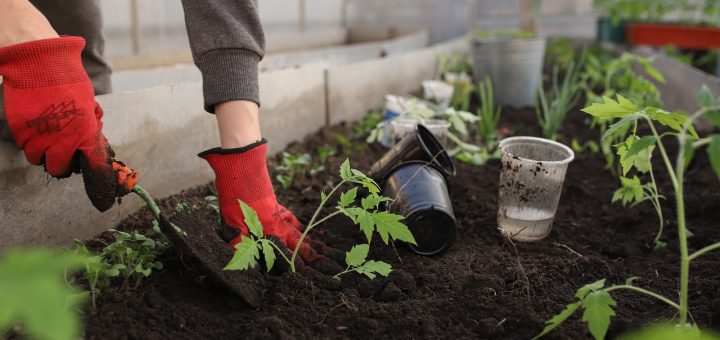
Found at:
(513, 64)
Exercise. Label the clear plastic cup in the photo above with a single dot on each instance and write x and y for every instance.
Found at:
(532, 172)
(403, 126)
(437, 91)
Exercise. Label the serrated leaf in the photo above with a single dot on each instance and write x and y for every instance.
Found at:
(323, 196)
(713, 150)
(345, 172)
(640, 145)
(598, 306)
(389, 224)
(582, 291)
(371, 202)
(671, 332)
(371, 268)
(268, 253)
(357, 255)
(556, 320)
(673, 120)
(246, 255)
(251, 219)
(619, 126)
(612, 109)
(348, 197)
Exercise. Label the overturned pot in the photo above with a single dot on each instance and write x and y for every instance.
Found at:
(420, 194)
(421, 145)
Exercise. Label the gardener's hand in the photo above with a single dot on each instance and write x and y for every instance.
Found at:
(52, 113)
(241, 174)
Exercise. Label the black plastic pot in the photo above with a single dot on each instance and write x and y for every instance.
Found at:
(420, 194)
(419, 146)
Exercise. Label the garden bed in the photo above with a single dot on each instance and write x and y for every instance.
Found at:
(483, 287)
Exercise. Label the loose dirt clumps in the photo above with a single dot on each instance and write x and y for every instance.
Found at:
(483, 287)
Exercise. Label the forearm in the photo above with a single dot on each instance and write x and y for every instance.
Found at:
(20, 21)
(227, 43)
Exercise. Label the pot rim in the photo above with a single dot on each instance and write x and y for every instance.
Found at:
(568, 150)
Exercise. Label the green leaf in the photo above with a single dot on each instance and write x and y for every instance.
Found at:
(612, 109)
(389, 224)
(582, 291)
(671, 332)
(246, 255)
(713, 150)
(348, 197)
(640, 145)
(251, 219)
(269, 253)
(372, 201)
(620, 127)
(357, 255)
(556, 320)
(345, 172)
(598, 307)
(371, 268)
(33, 293)
(652, 71)
(673, 120)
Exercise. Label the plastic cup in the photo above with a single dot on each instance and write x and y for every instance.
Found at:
(437, 91)
(532, 172)
(402, 127)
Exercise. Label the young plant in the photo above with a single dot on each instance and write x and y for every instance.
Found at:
(348, 147)
(368, 216)
(552, 108)
(368, 124)
(489, 114)
(34, 295)
(291, 167)
(325, 152)
(97, 271)
(633, 192)
(594, 298)
(134, 255)
(356, 260)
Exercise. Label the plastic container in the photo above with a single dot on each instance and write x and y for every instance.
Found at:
(676, 34)
(421, 195)
(401, 127)
(532, 172)
(437, 91)
(607, 31)
(418, 146)
(395, 106)
(513, 64)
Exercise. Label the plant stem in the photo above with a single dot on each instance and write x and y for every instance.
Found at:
(311, 225)
(663, 153)
(646, 292)
(704, 251)
(279, 251)
(682, 231)
(148, 200)
(655, 200)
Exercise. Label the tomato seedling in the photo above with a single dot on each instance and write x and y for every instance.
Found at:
(594, 298)
(368, 216)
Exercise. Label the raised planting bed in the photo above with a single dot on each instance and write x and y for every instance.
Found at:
(484, 286)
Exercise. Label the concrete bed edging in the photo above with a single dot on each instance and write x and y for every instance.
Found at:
(168, 127)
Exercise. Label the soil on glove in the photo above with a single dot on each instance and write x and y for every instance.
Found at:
(483, 287)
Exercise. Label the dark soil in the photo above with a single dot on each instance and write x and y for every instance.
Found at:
(483, 287)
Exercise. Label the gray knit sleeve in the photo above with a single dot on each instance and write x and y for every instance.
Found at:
(227, 43)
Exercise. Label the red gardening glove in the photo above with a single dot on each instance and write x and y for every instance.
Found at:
(52, 113)
(242, 174)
